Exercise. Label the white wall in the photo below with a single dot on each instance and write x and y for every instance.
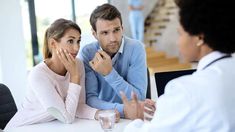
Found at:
(13, 70)
(0, 68)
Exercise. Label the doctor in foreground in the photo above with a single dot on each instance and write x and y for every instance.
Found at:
(203, 101)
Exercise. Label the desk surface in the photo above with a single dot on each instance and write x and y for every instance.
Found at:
(80, 125)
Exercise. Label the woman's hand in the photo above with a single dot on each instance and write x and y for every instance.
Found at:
(71, 65)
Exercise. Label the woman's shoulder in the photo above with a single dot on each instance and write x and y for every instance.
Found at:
(39, 69)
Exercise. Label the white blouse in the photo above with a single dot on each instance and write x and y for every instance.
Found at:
(51, 96)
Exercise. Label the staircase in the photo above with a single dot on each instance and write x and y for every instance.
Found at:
(155, 27)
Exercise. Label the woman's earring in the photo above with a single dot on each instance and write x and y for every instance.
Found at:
(199, 43)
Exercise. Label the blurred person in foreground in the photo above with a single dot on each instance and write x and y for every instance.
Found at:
(203, 101)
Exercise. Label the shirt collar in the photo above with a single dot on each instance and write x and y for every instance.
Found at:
(208, 59)
(120, 50)
(122, 46)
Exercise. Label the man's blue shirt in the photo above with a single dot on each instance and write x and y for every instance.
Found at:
(129, 73)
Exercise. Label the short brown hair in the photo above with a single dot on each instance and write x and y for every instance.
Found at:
(106, 12)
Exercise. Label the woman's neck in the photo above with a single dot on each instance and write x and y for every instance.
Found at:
(56, 66)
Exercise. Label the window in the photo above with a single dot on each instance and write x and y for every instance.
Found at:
(49, 10)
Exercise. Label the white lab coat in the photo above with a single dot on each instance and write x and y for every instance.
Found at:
(201, 102)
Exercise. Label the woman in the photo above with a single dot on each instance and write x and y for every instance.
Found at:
(203, 101)
(56, 85)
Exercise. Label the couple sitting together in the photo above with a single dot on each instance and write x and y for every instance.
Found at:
(64, 87)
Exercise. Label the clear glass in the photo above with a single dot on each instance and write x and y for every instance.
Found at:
(147, 117)
(107, 120)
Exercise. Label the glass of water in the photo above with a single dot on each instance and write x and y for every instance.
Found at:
(107, 119)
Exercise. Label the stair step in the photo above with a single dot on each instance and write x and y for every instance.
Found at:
(162, 13)
(157, 62)
(149, 50)
(152, 37)
(157, 24)
(159, 27)
(150, 40)
(164, 9)
(157, 20)
(155, 54)
(152, 34)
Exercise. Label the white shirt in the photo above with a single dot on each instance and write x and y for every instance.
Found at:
(52, 96)
(201, 102)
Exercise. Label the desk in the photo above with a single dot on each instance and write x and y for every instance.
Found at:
(79, 125)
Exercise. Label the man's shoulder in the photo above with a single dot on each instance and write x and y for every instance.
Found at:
(90, 48)
(131, 40)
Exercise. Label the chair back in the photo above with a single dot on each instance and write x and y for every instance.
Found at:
(7, 106)
(148, 93)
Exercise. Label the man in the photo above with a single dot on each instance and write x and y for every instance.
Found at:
(113, 64)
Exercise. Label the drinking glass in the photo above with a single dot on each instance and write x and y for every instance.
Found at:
(107, 119)
(147, 117)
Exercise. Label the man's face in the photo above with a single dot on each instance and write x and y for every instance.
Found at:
(109, 35)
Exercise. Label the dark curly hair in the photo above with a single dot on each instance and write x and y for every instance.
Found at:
(214, 19)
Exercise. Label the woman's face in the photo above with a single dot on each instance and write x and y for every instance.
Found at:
(70, 42)
(187, 45)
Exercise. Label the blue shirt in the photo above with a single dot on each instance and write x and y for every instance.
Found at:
(129, 73)
(135, 3)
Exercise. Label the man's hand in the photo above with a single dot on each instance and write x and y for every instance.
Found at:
(133, 109)
(101, 63)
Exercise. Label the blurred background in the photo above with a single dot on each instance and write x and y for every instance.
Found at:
(23, 24)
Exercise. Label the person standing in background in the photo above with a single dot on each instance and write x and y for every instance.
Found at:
(136, 19)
